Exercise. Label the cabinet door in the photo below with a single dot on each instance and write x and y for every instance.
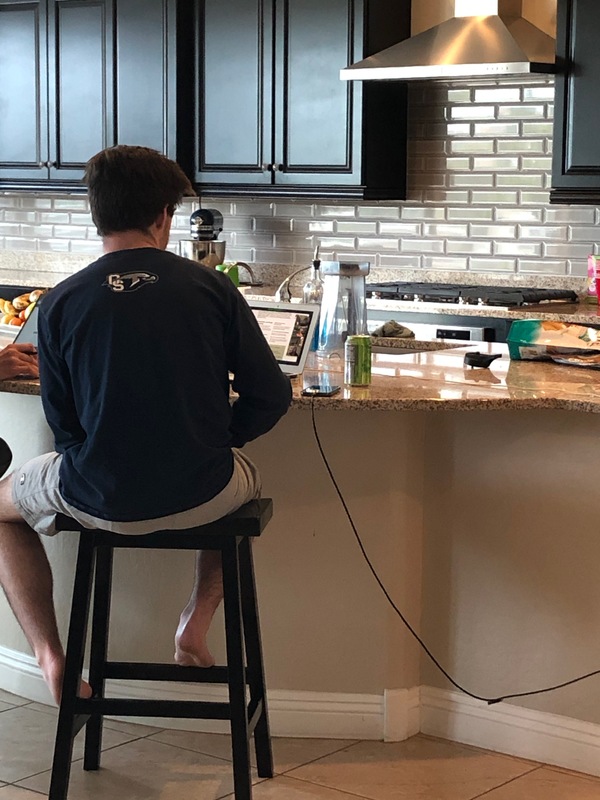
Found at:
(80, 83)
(23, 90)
(146, 74)
(576, 159)
(234, 107)
(317, 116)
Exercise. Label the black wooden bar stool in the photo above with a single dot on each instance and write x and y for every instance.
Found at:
(232, 536)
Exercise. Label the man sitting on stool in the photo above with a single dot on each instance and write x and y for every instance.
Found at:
(135, 353)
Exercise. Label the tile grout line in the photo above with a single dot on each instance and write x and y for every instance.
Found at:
(506, 783)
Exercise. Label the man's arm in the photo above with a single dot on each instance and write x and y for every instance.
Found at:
(265, 393)
(57, 395)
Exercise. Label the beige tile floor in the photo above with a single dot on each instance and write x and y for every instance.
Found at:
(144, 763)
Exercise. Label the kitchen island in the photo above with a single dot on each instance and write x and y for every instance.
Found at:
(483, 526)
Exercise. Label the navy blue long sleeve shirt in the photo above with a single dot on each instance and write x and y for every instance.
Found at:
(135, 352)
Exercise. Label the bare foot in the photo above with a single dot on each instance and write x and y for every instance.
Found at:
(191, 649)
(53, 667)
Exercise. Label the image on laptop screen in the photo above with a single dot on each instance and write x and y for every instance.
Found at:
(289, 330)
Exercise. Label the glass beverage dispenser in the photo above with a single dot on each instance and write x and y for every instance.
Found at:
(344, 305)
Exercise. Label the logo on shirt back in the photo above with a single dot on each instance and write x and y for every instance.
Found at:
(129, 281)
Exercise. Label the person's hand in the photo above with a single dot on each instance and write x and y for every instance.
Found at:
(18, 361)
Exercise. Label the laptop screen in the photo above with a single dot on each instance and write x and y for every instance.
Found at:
(289, 329)
(28, 332)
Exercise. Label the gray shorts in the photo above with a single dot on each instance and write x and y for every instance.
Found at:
(37, 499)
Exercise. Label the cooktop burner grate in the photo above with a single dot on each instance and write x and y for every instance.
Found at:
(468, 295)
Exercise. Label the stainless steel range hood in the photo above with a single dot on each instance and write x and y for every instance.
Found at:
(484, 39)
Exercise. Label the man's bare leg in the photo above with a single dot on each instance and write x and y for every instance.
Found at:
(190, 640)
(26, 578)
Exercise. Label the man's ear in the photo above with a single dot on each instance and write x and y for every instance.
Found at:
(164, 217)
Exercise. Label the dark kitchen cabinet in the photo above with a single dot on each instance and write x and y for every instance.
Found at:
(80, 75)
(273, 116)
(576, 154)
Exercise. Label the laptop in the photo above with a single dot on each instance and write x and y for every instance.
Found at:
(289, 329)
(28, 332)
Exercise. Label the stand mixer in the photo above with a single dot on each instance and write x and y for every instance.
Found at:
(203, 246)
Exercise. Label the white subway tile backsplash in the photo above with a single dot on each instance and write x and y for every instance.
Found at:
(569, 250)
(378, 212)
(356, 227)
(492, 265)
(468, 247)
(495, 164)
(472, 146)
(470, 213)
(521, 181)
(557, 233)
(537, 128)
(512, 95)
(422, 212)
(336, 211)
(441, 196)
(421, 246)
(479, 175)
(534, 198)
(539, 163)
(494, 231)
(521, 111)
(71, 203)
(538, 93)
(521, 145)
(444, 263)
(581, 234)
(454, 129)
(495, 198)
(517, 249)
(472, 112)
(519, 214)
(547, 267)
(585, 215)
(445, 231)
(400, 229)
(379, 244)
(497, 129)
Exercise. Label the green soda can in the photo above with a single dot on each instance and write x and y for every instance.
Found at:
(357, 361)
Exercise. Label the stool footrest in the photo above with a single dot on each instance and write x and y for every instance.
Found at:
(185, 709)
(254, 713)
(134, 670)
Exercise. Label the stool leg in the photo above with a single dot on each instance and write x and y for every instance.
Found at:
(65, 731)
(254, 657)
(98, 652)
(236, 671)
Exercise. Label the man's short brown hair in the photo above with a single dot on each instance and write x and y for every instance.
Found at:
(130, 186)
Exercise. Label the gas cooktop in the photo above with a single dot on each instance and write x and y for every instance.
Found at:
(468, 295)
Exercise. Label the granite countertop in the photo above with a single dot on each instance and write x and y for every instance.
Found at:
(438, 380)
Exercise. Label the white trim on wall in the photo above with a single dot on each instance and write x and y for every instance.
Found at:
(330, 715)
(395, 716)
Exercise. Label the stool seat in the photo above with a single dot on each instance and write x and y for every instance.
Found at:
(243, 674)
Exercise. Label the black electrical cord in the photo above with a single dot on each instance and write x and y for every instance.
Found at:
(489, 700)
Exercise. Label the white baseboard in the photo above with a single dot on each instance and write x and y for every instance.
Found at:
(394, 716)
(504, 728)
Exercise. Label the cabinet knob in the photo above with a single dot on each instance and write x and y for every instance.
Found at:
(51, 164)
(42, 164)
(268, 167)
(280, 167)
